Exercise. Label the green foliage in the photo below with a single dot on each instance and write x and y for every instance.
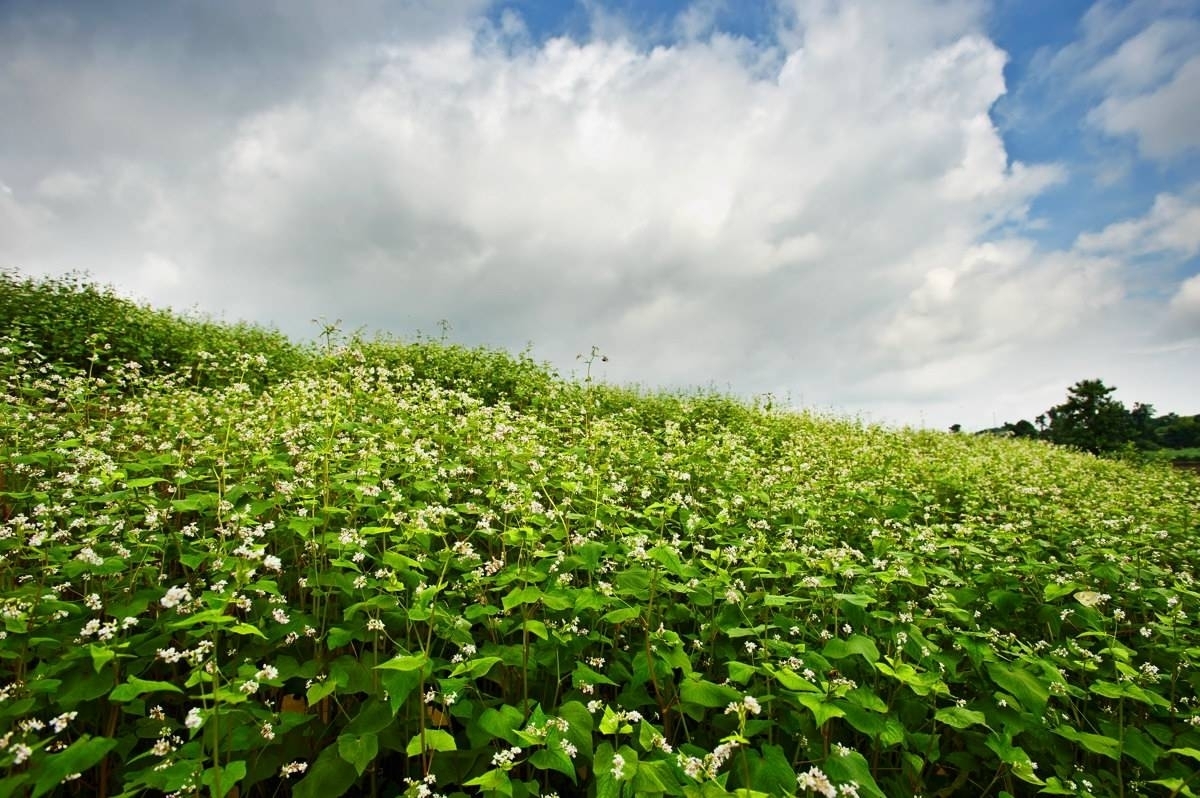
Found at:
(77, 325)
(1090, 419)
(403, 569)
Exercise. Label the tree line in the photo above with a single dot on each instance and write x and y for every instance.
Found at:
(1091, 419)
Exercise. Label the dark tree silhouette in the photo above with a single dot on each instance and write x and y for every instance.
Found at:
(1090, 419)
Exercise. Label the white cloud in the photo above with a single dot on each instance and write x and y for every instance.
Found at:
(1165, 121)
(65, 185)
(990, 298)
(1137, 63)
(1172, 225)
(1148, 58)
(699, 19)
(1184, 309)
(816, 217)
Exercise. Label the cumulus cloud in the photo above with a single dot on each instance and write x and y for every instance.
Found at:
(1165, 121)
(1172, 225)
(1147, 58)
(818, 213)
(997, 295)
(1184, 309)
(1136, 64)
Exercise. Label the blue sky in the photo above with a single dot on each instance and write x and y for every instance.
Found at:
(914, 211)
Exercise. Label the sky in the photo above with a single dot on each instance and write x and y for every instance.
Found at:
(912, 212)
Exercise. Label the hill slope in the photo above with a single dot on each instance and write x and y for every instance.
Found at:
(386, 568)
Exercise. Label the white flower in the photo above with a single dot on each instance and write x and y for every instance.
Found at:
(59, 723)
(175, 596)
(618, 765)
(194, 719)
(814, 779)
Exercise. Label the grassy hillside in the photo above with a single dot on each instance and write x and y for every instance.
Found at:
(396, 568)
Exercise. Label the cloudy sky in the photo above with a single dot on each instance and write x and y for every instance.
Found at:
(914, 211)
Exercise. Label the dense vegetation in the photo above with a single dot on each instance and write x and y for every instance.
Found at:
(414, 569)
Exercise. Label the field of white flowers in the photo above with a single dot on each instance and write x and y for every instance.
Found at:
(423, 570)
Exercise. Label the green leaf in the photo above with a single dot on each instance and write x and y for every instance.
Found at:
(407, 662)
(612, 723)
(101, 656)
(399, 686)
(521, 595)
(623, 615)
(699, 692)
(791, 681)
(823, 711)
(586, 675)
(135, 687)
(328, 777)
(1054, 591)
(1127, 690)
(475, 668)
(502, 722)
(553, 759)
(869, 723)
(1054, 786)
(1096, 743)
(374, 717)
(1142, 748)
(1192, 752)
(143, 482)
(247, 630)
(771, 770)
(960, 717)
(537, 629)
(338, 636)
(921, 683)
(9, 785)
(655, 778)
(1022, 685)
(230, 775)
(740, 672)
(852, 766)
(358, 749)
(1176, 786)
(320, 690)
(853, 645)
(580, 730)
(435, 740)
(855, 599)
(495, 780)
(82, 754)
(210, 617)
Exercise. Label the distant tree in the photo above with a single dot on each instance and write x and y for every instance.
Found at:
(1141, 422)
(956, 427)
(1090, 419)
(1021, 429)
(1179, 432)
